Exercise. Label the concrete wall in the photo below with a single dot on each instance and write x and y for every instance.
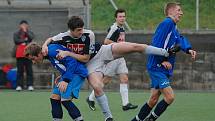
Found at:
(44, 22)
(198, 75)
(45, 19)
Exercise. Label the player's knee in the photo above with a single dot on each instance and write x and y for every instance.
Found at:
(169, 99)
(55, 97)
(153, 101)
(98, 89)
(124, 79)
(107, 80)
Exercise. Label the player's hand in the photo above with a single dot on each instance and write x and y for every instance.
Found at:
(57, 80)
(62, 54)
(193, 54)
(62, 86)
(24, 28)
(167, 65)
(45, 50)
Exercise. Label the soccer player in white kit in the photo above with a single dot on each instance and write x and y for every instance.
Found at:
(116, 33)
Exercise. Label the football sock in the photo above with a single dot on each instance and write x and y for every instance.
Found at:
(57, 112)
(72, 110)
(136, 119)
(79, 119)
(144, 112)
(159, 109)
(124, 93)
(55, 119)
(103, 103)
(156, 51)
(92, 96)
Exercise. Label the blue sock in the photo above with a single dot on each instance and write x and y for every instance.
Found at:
(72, 110)
(57, 112)
(144, 112)
(159, 109)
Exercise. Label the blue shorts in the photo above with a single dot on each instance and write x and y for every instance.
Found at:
(73, 88)
(159, 80)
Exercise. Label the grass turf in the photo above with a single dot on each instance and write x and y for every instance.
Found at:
(35, 106)
(147, 14)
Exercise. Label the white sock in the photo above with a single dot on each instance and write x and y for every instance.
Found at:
(156, 51)
(124, 93)
(103, 103)
(56, 119)
(137, 118)
(92, 96)
(80, 118)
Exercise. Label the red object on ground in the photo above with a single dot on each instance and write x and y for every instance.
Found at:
(7, 67)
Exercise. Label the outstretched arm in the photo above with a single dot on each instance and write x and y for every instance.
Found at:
(45, 46)
(186, 47)
(82, 58)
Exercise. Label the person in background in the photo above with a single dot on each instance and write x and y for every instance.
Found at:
(22, 38)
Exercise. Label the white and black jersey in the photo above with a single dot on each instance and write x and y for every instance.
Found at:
(83, 45)
(114, 32)
(97, 47)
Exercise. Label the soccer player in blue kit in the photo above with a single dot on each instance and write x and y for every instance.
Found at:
(161, 68)
(73, 74)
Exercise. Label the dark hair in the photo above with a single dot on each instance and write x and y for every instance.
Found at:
(23, 22)
(32, 49)
(75, 22)
(169, 6)
(119, 11)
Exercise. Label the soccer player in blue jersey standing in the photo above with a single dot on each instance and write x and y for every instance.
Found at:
(73, 74)
(160, 68)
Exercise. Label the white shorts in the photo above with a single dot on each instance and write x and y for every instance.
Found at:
(104, 56)
(115, 67)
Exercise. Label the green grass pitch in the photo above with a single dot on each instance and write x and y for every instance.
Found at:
(35, 106)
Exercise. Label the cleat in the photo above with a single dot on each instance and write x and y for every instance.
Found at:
(174, 50)
(30, 88)
(18, 88)
(129, 106)
(109, 119)
(91, 104)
